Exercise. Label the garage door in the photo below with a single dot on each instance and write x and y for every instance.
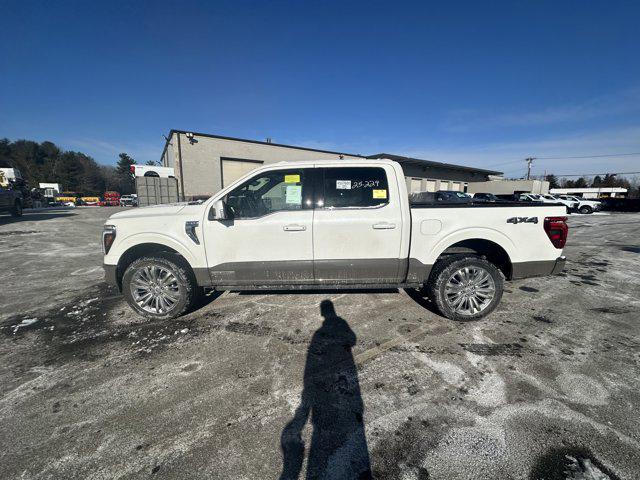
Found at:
(431, 185)
(233, 169)
(416, 185)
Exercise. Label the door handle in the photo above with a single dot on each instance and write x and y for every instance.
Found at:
(294, 228)
(384, 226)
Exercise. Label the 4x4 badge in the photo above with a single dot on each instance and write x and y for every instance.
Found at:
(522, 220)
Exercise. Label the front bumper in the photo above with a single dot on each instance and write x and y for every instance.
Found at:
(111, 274)
(538, 269)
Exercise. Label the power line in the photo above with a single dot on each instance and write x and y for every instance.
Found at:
(567, 158)
(594, 174)
(591, 156)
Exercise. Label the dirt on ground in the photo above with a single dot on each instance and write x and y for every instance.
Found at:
(327, 384)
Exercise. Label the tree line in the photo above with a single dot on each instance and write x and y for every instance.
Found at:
(75, 172)
(609, 180)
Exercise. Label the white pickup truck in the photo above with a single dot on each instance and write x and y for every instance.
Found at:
(329, 224)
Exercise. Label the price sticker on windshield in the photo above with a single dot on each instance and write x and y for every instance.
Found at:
(292, 179)
(343, 184)
(379, 193)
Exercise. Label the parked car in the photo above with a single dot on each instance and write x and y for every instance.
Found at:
(486, 197)
(129, 200)
(11, 201)
(621, 204)
(441, 196)
(329, 224)
(530, 197)
(510, 197)
(110, 199)
(571, 205)
(583, 205)
(11, 198)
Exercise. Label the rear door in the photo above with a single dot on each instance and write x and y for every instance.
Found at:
(357, 226)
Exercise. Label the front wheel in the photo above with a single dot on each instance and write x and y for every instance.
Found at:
(160, 287)
(465, 287)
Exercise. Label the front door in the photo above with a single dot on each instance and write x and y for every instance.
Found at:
(357, 227)
(268, 240)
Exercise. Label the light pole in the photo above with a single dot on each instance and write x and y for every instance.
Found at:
(529, 162)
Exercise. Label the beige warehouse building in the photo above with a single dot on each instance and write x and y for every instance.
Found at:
(205, 163)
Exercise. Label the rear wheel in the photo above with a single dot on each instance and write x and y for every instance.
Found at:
(16, 211)
(160, 287)
(585, 209)
(465, 287)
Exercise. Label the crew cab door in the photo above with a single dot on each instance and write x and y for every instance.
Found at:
(268, 238)
(357, 226)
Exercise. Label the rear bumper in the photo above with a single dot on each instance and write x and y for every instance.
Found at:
(538, 269)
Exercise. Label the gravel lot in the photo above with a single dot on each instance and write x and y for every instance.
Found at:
(267, 385)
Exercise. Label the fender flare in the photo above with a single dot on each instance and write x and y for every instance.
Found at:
(159, 239)
(475, 233)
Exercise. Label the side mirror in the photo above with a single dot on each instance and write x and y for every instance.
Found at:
(218, 211)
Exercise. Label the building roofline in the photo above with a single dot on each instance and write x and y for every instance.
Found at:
(431, 163)
(259, 142)
(398, 158)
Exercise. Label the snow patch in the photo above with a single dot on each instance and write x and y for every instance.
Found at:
(24, 323)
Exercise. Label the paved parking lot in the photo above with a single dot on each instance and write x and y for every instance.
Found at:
(275, 385)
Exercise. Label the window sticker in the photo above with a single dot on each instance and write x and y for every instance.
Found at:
(292, 179)
(343, 184)
(379, 193)
(293, 194)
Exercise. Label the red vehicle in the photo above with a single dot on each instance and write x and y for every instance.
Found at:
(110, 199)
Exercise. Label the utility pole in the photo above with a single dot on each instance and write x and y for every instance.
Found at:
(529, 162)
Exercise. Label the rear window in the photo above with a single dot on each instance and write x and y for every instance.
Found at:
(355, 187)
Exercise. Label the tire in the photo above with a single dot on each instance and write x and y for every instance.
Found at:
(16, 211)
(586, 209)
(489, 290)
(180, 293)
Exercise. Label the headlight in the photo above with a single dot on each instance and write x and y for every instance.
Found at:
(108, 237)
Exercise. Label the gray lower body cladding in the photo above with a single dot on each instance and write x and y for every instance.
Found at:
(378, 271)
(537, 269)
(111, 274)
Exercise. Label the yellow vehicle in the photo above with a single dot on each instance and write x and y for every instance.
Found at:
(90, 200)
(66, 197)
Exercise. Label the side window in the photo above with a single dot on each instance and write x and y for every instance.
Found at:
(355, 187)
(270, 192)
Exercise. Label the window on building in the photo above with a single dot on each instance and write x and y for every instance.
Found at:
(270, 192)
(355, 187)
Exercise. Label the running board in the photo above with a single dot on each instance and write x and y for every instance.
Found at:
(323, 287)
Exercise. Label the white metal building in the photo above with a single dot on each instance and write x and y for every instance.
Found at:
(204, 163)
(594, 192)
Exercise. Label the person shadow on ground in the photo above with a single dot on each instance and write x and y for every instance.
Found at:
(331, 399)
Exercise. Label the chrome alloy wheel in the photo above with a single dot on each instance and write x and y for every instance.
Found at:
(155, 289)
(469, 290)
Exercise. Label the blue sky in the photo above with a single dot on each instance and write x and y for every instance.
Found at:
(476, 83)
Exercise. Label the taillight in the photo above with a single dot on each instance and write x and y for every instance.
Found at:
(557, 230)
(108, 236)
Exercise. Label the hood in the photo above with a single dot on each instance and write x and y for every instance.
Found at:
(151, 211)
